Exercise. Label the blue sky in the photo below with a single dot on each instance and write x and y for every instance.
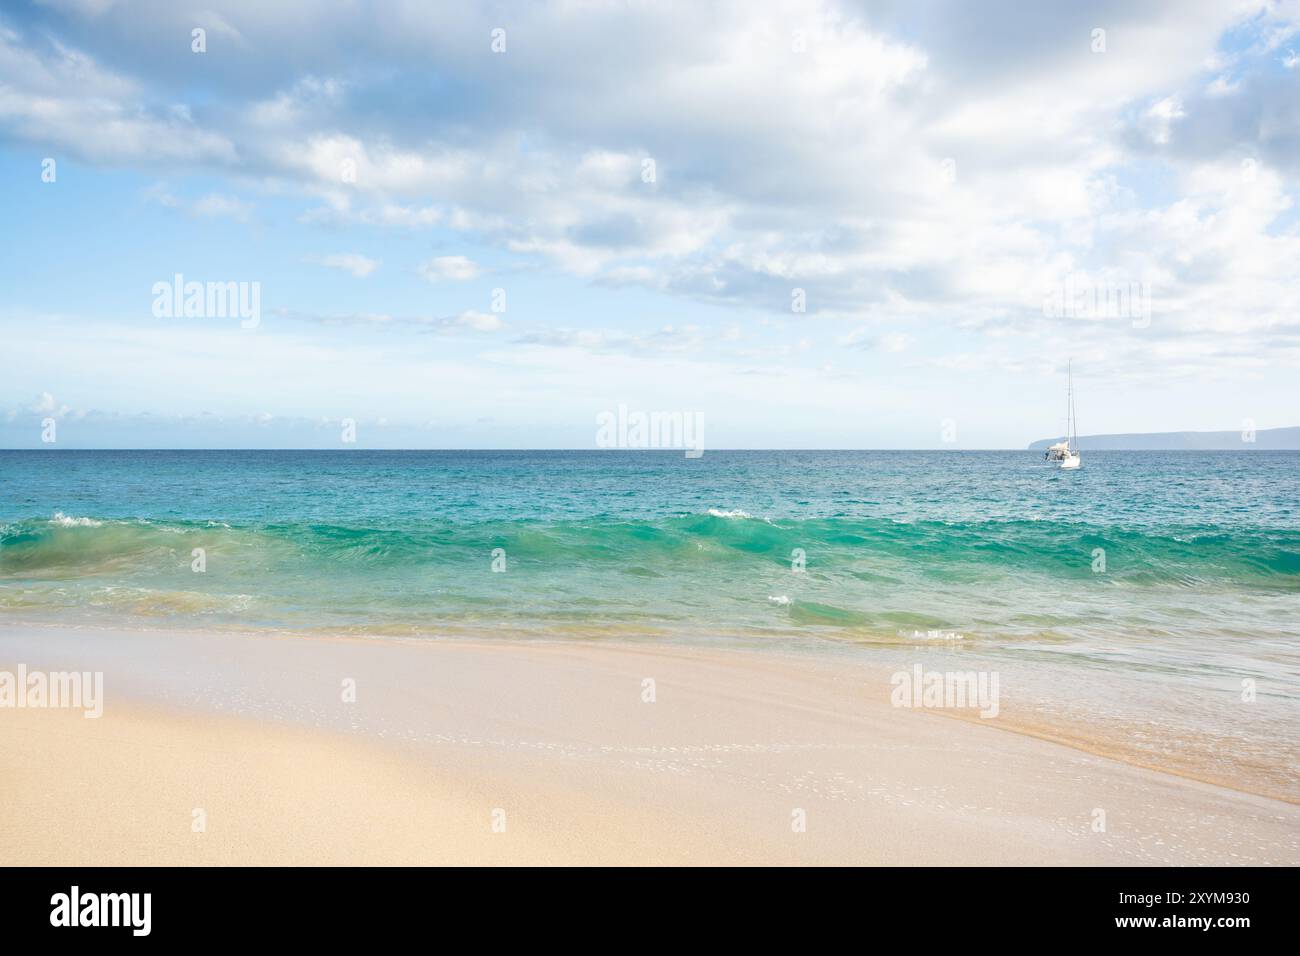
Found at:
(928, 177)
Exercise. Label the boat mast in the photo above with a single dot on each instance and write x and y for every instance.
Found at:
(1074, 417)
(1069, 403)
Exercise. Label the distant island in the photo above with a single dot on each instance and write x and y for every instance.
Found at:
(1266, 439)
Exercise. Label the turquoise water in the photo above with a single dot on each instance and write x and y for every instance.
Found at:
(952, 559)
(1201, 550)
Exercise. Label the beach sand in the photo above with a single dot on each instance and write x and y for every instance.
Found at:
(459, 752)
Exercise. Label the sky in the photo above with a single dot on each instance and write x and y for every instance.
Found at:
(807, 224)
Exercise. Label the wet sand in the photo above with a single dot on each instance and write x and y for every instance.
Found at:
(312, 750)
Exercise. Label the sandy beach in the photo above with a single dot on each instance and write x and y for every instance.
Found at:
(232, 748)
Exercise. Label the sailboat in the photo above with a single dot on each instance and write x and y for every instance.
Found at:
(1070, 457)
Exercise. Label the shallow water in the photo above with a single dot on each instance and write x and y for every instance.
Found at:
(1137, 557)
(1170, 577)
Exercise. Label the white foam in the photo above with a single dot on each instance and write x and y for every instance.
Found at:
(933, 635)
(65, 521)
(734, 513)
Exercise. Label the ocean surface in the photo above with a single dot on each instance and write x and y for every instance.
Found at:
(1173, 576)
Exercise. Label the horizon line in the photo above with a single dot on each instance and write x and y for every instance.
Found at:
(642, 450)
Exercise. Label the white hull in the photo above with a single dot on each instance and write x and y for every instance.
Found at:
(1071, 461)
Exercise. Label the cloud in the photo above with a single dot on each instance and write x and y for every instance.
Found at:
(1161, 116)
(210, 206)
(864, 338)
(215, 206)
(668, 339)
(470, 319)
(453, 268)
(922, 174)
(46, 404)
(353, 262)
(63, 98)
(478, 321)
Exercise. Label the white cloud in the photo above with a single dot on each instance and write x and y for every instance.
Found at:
(215, 205)
(353, 262)
(454, 268)
(1161, 116)
(211, 206)
(62, 98)
(45, 404)
(479, 321)
(913, 171)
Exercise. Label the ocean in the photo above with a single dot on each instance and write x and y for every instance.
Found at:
(1169, 580)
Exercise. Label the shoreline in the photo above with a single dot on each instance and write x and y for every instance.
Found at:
(558, 736)
(1176, 754)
